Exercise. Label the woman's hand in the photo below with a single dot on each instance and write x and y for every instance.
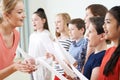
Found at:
(24, 66)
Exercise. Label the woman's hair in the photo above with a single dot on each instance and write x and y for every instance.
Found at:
(66, 18)
(115, 12)
(7, 6)
(79, 23)
(98, 24)
(97, 9)
(41, 13)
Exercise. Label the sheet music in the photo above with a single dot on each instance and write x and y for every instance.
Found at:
(72, 72)
(59, 54)
(66, 68)
(81, 76)
(66, 55)
(43, 63)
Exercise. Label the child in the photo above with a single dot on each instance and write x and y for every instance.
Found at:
(40, 43)
(79, 45)
(62, 35)
(110, 67)
(96, 39)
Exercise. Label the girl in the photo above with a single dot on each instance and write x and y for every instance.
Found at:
(62, 34)
(40, 43)
(96, 39)
(110, 67)
(92, 10)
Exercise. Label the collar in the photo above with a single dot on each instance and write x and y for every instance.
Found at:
(77, 44)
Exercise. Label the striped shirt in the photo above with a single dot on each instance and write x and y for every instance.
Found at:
(66, 44)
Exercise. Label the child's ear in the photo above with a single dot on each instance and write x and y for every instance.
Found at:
(102, 36)
(44, 20)
(82, 30)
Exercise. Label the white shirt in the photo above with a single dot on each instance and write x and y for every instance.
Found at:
(40, 43)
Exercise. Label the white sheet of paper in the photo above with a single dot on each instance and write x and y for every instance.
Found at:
(58, 53)
(80, 75)
(64, 53)
(72, 72)
(43, 63)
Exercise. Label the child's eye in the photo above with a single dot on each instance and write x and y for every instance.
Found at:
(107, 21)
(89, 31)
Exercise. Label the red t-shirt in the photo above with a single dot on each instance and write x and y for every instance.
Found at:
(116, 69)
(7, 54)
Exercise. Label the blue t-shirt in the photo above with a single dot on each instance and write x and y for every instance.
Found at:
(78, 51)
(93, 61)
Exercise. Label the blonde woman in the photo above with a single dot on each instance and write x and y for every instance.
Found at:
(12, 16)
